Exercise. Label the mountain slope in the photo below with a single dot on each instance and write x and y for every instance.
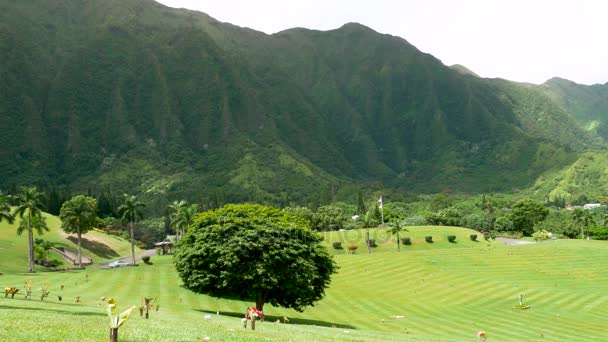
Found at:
(134, 96)
(588, 104)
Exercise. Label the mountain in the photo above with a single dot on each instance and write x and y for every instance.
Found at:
(130, 95)
(588, 104)
(463, 70)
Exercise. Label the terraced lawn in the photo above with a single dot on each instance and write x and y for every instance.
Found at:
(439, 294)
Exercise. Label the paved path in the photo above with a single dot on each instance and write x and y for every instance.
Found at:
(147, 252)
(510, 242)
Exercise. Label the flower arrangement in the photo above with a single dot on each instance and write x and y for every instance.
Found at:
(482, 335)
(10, 290)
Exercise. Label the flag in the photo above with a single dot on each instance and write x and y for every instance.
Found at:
(380, 202)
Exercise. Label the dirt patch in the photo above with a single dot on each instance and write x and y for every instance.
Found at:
(512, 242)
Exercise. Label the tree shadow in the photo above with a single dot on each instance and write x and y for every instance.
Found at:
(99, 249)
(9, 307)
(271, 318)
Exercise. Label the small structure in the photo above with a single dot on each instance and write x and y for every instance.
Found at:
(166, 247)
(592, 205)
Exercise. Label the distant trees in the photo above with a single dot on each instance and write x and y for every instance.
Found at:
(29, 208)
(78, 215)
(5, 209)
(525, 214)
(182, 216)
(130, 211)
(584, 218)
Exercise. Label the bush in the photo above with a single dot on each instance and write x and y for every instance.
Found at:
(371, 242)
(486, 236)
(353, 248)
(146, 259)
(337, 245)
(406, 241)
(598, 232)
(428, 239)
(452, 238)
(473, 237)
(541, 235)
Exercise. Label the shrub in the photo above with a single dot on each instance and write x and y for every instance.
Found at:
(372, 242)
(145, 259)
(473, 237)
(452, 238)
(406, 241)
(428, 239)
(337, 245)
(353, 248)
(486, 236)
(598, 232)
(541, 235)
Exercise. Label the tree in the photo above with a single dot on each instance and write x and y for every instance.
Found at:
(130, 211)
(5, 209)
(175, 217)
(29, 207)
(361, 209)
(584, 218)
(329, 217)
(396, 228)
(257, 253)
(78, 215)
(44, 247)
(525, 214)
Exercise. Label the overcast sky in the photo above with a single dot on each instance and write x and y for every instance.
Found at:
(520, 40)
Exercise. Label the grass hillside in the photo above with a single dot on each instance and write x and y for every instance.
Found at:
(439, 294)
(99, 246)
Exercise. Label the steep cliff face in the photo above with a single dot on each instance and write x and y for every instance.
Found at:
(132, 95)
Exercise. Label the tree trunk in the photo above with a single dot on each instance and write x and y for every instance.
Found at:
(132, 244)
(30, 240)
(252, 322)
(79, 251)
(260, 301)
(582, 232)
(367, 241)
(113, 334)
(398, 246)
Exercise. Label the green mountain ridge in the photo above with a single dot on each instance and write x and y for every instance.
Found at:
(135, 96)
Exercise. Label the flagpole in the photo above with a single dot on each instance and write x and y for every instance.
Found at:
(381, 208)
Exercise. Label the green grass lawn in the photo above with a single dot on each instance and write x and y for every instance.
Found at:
(438, 294)
(97, 245)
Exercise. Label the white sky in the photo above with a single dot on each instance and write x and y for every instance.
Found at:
(520, 40)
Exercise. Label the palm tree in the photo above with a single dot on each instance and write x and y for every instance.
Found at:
(396, 228)
(584, 217)
(130, 211)
(29, 205)
(187, 216)
(5, 209)
(78, 215)
(45, 247)
(176, 217)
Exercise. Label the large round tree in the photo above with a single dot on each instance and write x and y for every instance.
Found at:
(78, 215)
(257, 253)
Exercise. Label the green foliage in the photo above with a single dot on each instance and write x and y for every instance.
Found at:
(541, 235)
(329, 217)
(525, 214)
(452, 238)
(473, 237)
(131, 211)
(446, 217)
(145, 259)
(337, 245)
(251, 252)
(5, 209)
(406, 241)
(598, 232)
(504, 224)
(29, 209)
(428, 239)
(79, 215)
